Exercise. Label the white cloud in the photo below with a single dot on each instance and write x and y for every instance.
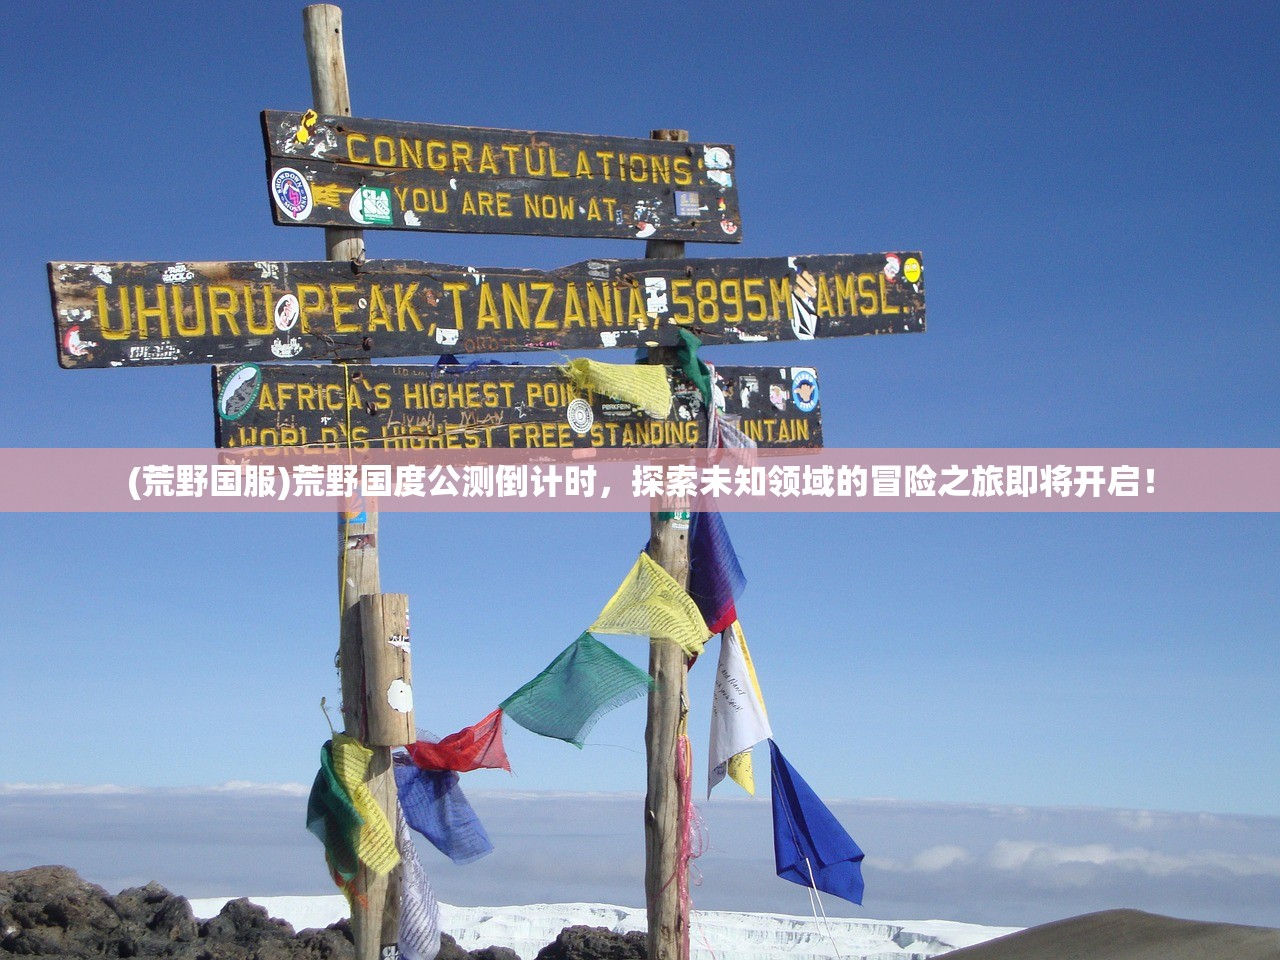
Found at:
(1038, 855)
(940, 858)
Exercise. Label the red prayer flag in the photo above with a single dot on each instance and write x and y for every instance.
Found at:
(479, 745)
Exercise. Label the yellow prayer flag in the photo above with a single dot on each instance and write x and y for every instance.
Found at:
(376, 846)
(650, 603)
(643, 385)
(741, 772)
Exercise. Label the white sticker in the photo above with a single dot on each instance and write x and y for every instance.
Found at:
(400, 696)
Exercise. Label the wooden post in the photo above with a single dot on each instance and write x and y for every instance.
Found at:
(668, 708)
(388, 679)
(375, 921)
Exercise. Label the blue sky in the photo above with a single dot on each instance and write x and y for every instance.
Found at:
(1093, 191)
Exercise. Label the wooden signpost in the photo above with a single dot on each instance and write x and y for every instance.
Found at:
(393, 407)
(143, 314)
(326, 170)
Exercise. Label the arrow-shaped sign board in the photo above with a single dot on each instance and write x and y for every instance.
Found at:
(144, 314)
(495, 406)
(384, 174)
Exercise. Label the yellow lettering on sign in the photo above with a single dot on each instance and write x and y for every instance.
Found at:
(311, 299)
(488, 314)
(404, 307)
(195, 329)
(572, 306)
(868, 302)
(822, 302)
(885, 306)
(384, 151)
(584, 166)
(160, 312)
(341, 309)
(352, 140)
(410, 153)
(546, 288)
(104, 316)
(515, 304)
(488, 162)
(846, 292)
(222, 309)
(599, 305)
(780, 297)
(461, 156)
(454, 288)
(379, 315)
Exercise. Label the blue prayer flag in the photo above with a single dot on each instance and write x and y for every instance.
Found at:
(715, 576)
(809, 845)
(434, 805)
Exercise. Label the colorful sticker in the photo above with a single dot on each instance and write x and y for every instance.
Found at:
(305, 126)
(720, 178)
(74, 345)
(729, 227)
(892, 265)
(291, 193)
(371, 205)
(240, 391)
(655, 295)
(580, 416)
(804, 389)
(286, 349)
(717, 158)
(911, 269)
(778, 396)
(286, 313)
(687, 203)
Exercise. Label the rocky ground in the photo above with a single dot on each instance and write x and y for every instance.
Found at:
(52, 912)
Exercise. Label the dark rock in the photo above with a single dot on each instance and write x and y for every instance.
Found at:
(495, 953)
(595, 943)
(449, 949)
(240, 920)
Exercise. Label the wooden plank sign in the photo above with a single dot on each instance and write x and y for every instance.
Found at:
(493, 406)
(140, 314)
(382, 174)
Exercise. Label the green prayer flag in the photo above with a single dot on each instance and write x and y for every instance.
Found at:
(332, 817)
(581, 685)
(693, 368)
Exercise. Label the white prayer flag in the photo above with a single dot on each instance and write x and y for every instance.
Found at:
(738, 718)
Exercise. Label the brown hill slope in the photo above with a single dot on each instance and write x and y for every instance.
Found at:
(1129, 935)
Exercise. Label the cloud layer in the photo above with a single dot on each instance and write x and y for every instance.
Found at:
(991, 865)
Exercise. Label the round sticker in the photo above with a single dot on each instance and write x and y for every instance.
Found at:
(291, 193)
(580, 416)
(911, 269)
(286, 313)
(804, 389)
(239, 392)
(892, 266)
(717, 158)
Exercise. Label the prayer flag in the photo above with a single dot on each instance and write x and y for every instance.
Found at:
(646, 387)
(476, 746)
(435, 806)
(738, 718)
(332, 817)
(809, 845)
(715, 576)
(650, 603)
(581, 685)
(376, 844)
(419, 932)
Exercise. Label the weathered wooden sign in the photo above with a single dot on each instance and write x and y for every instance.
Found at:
(395, 407)
(383, 174)
(139, 314)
